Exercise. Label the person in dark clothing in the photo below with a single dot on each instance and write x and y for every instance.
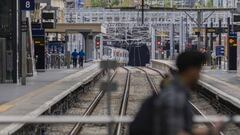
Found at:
(81, 57)
(74, 58)
(170, 113)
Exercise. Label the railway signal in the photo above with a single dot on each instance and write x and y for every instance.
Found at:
(158, 41)
(98, 42)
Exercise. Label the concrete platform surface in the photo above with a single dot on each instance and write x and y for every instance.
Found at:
(10, 92)
(42, 92)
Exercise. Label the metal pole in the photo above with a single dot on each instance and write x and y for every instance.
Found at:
(181, 35)
(85, 45)
(220, 42)
(142, 11)
(211, 37)
(187, 35)
(153, 43)
(228, 51)
(206, 37)
(68, 52)
(199, 22)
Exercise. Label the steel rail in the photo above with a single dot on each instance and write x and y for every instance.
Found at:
(156, 70)
(153, 86)
(124, 103)
(78, 126)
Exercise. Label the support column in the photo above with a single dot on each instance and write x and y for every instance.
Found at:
(101, 46)
(85, 34)
(95, 52)
(3, 60)
(95, 49)
(90, 47)
(13, 54)
(23, 51)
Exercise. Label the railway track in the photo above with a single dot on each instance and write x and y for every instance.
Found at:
(119, 99)
(150, 80)
(123, 108)
(77, 127)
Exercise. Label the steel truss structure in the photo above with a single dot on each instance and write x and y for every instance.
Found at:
(126, 25)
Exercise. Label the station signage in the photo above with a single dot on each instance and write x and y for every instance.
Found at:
(232, 39)
(39, 41)
(219, 50)
(232, 51)
(27, 5)
(217, 30)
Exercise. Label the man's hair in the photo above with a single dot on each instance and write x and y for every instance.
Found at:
(190, 59)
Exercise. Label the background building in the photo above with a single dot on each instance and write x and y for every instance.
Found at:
(224, 3)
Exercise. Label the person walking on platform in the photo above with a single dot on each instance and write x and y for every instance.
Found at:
(81, 57)
(74, 58)
(170, 113)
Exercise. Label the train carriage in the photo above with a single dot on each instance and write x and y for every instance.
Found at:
(118, 54)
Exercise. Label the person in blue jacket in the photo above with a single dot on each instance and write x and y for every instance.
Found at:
(74, 58)
(81, 57)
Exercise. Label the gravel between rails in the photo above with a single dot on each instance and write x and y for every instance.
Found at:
(84, 100)
(156, 77)
(101, 109)
(139, 90)
(208, 109)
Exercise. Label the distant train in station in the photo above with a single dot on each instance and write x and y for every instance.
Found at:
(118, 54)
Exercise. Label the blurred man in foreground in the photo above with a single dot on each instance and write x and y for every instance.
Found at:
(170, 113)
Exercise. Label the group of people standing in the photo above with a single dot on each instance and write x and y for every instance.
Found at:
(78, 56)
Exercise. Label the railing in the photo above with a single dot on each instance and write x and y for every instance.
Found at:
(104, 119)
(41, 124)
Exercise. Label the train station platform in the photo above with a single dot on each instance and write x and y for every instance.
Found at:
(41, 92)
(220, 82)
